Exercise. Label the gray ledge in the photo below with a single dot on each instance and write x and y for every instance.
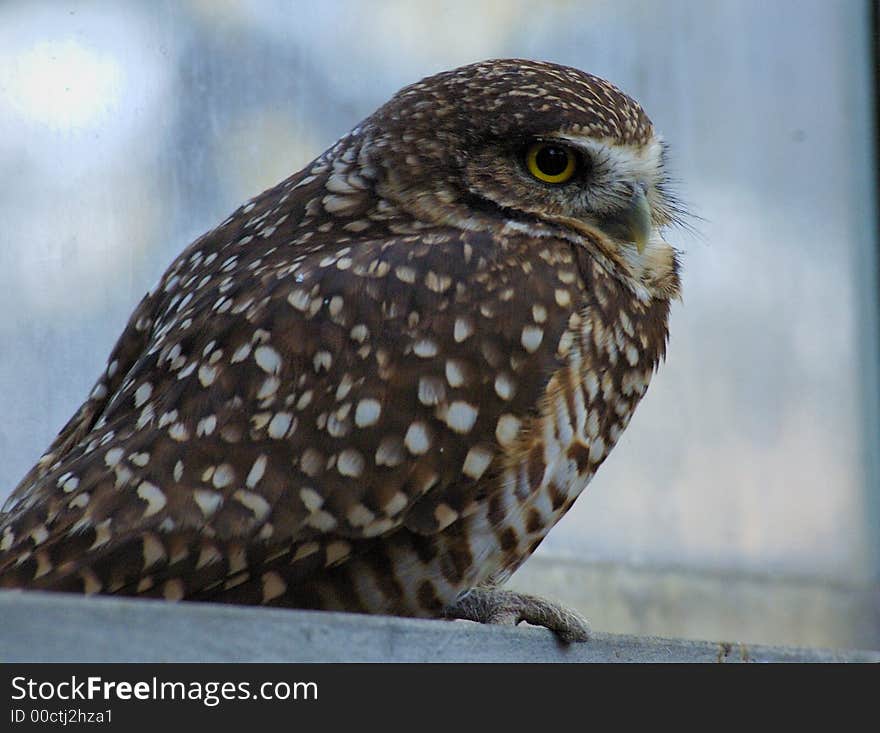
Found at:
(691, 603)
(54, 627)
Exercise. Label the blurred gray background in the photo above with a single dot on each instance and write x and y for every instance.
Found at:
(744, 500)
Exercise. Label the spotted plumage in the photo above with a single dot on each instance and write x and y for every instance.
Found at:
(376, 386)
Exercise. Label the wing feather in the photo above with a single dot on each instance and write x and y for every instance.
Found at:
(282, 402)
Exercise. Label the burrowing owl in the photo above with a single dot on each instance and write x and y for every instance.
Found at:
(377, 386)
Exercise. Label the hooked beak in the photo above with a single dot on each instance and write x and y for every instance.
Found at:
(633, 223)
(636, 218)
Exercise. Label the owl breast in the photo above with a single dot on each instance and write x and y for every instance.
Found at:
(609, 351)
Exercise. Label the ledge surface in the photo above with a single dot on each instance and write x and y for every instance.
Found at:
(54, 627)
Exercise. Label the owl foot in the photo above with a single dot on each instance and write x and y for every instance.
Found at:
(497, 606)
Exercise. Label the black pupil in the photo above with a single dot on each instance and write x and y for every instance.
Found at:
(552, 160)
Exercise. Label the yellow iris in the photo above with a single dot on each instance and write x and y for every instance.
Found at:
(550, 162)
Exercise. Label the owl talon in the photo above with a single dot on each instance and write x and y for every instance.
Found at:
(508, 608)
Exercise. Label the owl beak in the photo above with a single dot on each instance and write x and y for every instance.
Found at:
(637, 219)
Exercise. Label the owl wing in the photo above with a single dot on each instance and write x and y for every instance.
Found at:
(294, 403)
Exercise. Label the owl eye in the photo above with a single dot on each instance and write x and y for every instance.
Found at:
(550, 162)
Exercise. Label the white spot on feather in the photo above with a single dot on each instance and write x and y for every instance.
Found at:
(154, 497)
(256, 503)
(279, 425)
(207, 501)
(142, 394)
(476, 462)
(350, 463)
(507, 429)
(464, 327)
(113, 456)
(432, 391)
(425, 348)
(417, 439)
(241, 353)
(268, 359)
(223, 476)
(454, 373)
(311, 499)
(531, 338)
(367, 412)
(207, 375)
(256, 472)
(461, 416)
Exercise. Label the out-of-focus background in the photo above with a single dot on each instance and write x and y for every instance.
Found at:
(744, 500)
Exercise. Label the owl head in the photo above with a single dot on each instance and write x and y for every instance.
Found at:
(534, 147)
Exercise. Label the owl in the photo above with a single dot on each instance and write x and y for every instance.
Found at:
(378, 385)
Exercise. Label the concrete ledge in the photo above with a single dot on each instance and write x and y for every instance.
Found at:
(698, 604)
(53, 627)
